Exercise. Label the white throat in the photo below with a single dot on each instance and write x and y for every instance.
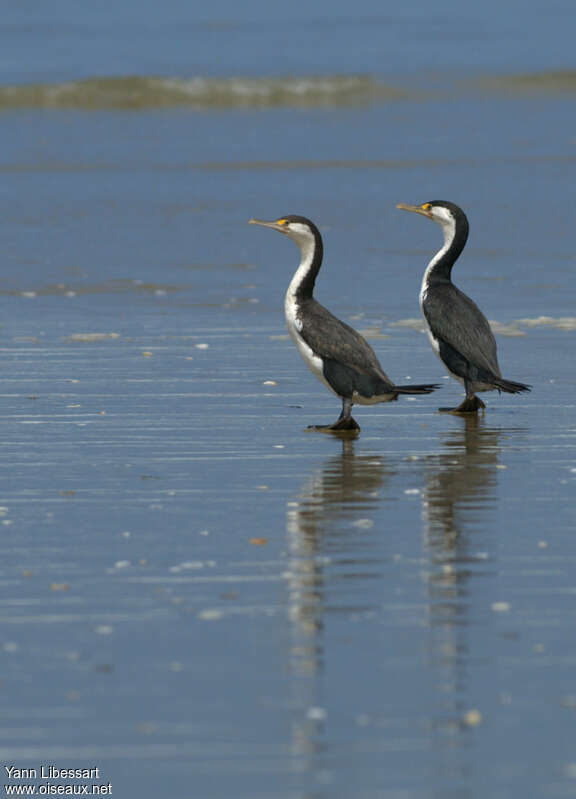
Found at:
(448, 225)
(294, 322)
(306, 245)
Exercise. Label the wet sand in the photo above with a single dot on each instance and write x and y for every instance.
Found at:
(194, 582)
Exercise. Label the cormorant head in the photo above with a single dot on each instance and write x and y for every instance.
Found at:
(298, 228)
(449, 216)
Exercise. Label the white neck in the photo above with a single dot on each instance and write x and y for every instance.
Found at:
(306, 246)
(448, 231)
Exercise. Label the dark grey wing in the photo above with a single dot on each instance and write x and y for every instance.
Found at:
(463, 333)
(350, 363)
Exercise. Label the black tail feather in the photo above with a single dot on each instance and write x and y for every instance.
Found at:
(510, 386)
(426, 388)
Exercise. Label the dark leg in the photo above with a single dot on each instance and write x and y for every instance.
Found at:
(472, 404)
(344, 421)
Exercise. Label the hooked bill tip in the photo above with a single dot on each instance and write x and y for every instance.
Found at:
(423, 209)
(273, 225)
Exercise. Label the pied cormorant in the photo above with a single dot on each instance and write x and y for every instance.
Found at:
(338, 355)
(458, 330)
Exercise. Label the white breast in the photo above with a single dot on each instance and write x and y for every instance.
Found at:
(294, 325)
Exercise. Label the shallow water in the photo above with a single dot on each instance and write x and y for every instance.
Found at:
(329, 617)
(200, 596)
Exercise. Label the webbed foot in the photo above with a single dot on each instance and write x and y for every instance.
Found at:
(470, 405)
(346, 425)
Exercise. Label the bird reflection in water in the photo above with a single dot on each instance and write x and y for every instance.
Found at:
(335, 501)
(461, 487)
(460, 495)
(325, 525)
(461, 490)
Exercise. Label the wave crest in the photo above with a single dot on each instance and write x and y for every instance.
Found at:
(137, 92)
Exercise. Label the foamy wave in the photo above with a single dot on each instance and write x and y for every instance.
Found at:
(154, 92)
(557, 322)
